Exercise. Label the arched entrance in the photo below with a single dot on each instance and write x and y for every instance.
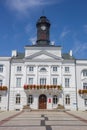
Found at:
(42, 101)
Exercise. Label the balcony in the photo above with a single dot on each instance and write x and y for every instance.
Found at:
(43, 89)
(83, 93)
(3, 88)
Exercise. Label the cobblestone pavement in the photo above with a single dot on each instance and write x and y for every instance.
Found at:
(43, 120)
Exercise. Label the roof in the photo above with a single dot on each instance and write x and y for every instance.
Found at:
(19, 56)
(66, 56)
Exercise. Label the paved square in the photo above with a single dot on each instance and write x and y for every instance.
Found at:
(43, 120)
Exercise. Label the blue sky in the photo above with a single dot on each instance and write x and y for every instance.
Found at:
(68, 24)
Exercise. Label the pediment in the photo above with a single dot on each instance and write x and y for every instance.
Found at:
(43, 55)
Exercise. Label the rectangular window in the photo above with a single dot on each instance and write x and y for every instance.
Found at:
(1, 68)
(31, 68)
(19, 68)
(18, 82)
(84, 85)
(30, 81)
(54, 81)
(42, 81)
(17, 99)
(85, 102)
(66, 69)
(0, 98)
(67, 80)
(85, 73)
(1, 82)
(55, 69)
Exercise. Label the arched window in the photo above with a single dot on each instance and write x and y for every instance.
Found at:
(67, 100)
(30, 99)
(43, 69)
(0, 98)
(55, 99)
(18, 99)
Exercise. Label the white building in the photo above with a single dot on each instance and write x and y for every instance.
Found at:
(42, 77)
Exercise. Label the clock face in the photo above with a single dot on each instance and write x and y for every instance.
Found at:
(43, 27)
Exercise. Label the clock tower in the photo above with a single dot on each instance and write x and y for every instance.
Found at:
(43, 27)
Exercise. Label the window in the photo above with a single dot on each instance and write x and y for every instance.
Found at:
(43, 69)
(55, 99)
(18, 99)
(1, 82)
(30, 99)
(18, 82)
(84, 72)
(31, 68)
(67, 100)
(85, 102)
(30, 80)
(67, 80)
(84, 85)
(66, 69)
(0, 98)
(1, 68)
(55, 69)
(42, 81)
(54, 81)
(19, 68)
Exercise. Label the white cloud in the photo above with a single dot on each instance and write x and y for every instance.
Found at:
(33, 40)
(85, 28)
(28, 28)
(64, 33)
(22, 6)
(79, 48)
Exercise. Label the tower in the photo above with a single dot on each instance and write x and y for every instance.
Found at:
(43, 27)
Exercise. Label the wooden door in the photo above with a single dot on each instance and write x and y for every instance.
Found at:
(42, 102)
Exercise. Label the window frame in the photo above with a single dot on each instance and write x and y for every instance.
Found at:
(67, 82)
(55, 68)
(67, 69)
(18, 83)
(1, 68)
(67, 99)
(1, 82)
(18, 99)
(55, 81)
(30, 82)
(0, 98)
(30, 99)
(31, 68)
(43, 81)
(19, 68)
(55, 99)
(85, 102)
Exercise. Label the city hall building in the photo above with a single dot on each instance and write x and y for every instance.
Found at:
(43, 77)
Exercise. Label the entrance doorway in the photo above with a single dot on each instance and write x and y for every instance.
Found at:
(42, 101)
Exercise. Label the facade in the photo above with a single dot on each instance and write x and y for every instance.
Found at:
(43, 77)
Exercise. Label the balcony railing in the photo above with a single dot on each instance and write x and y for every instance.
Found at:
(29, 87)
(3, 88)
(45, 89)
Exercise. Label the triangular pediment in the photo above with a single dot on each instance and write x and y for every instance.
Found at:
(42, 55)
